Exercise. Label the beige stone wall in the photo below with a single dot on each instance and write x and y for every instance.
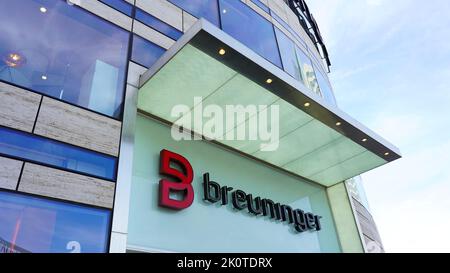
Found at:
(40, 115)
(71, 124)
(18, 107)
(59, 184)
(9, 173)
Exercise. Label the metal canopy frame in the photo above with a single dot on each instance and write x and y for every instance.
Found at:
(209, 39)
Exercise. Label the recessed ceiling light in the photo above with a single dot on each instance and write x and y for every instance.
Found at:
(14, 60)
(387, 153)
(269, 81)
(43, 9)
(338, 123)
(364, 140)
(222, 51)
(307, 104)
(14, 56)
(44, 77)
(224, 11)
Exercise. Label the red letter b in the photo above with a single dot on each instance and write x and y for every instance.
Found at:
(184, 178)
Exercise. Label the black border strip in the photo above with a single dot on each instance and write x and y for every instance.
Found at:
(20, 175)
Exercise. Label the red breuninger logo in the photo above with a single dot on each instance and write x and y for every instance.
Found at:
(183, 181)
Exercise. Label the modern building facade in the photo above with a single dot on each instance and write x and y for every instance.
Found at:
(88, 158)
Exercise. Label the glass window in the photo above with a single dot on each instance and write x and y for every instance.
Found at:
(120, 5)
(261, 5)
(307, 74)
(145, 52)
(41, 150)
(157, 24)
(32, 224)
(200, 8)
(64, 52)
(288, 55)
(324, 86)
(250, 28)
(279, 20)
(287, 27)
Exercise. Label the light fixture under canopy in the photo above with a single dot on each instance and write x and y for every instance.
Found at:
(318, 142)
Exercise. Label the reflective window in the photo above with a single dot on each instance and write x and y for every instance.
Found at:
(279, 20)
(288, 55)
(261, 5)
(145, 52)
(250, 28)
(120, 5)
(325, 87)
(157, 24)
(41, 150)
(32, 224)
(307, 72)
(64, 52)
(200, 8)
(313, 56)
(287, 27)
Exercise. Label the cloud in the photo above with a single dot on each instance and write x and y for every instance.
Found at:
(391, 71)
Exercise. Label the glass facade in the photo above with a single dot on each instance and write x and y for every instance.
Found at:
(325, 88)
(144, 52)
(32, 224)
(200, 8)
(261, 5)
(250, 28)
(287, 27)
(288, 55)
(63, 52)
(307, 72)
(120, 5)
(33, 148)
(279, 20)
(157, 24)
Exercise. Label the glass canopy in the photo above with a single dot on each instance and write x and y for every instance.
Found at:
(317, 141)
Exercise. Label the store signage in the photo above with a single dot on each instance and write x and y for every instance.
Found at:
(183, 181)
(180, 175)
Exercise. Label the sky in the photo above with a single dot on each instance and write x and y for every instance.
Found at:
(391, 71)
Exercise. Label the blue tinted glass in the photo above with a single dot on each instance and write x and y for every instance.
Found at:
(144, 52)
(325, 88)
(157, 24)
(200, 8)
(288, 55)
(245, 25)
(38, 149)
(278, 19)
(307, 72)
(63, 52)
(287, 27)
(261, 5)
(120, 5)
(31, 224)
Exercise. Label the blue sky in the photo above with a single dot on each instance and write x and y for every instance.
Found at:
(391, 71)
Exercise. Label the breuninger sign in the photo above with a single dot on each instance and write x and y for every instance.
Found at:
(213, 192)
